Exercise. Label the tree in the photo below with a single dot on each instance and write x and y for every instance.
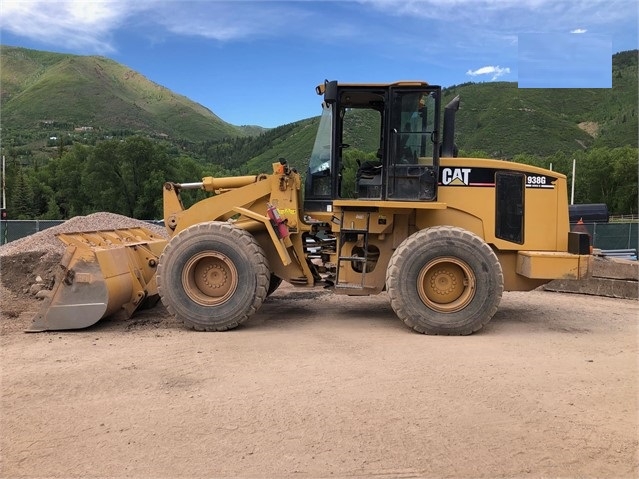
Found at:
(624, 174)
(53, 210)
(127, 177)
(608, 175)
(21, 200)
(64, 177)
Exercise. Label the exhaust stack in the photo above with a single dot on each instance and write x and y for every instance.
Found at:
(448, 143)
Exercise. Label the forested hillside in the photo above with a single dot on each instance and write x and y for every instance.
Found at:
(64, 116)
(50, 94)
(503, 120)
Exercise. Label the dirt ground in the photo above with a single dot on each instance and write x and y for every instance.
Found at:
(317, 385)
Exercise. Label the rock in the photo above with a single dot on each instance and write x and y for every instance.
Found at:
(39, 279)
(36, 287)
(43, 294)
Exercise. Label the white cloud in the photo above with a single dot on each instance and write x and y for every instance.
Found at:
(75, 24)
(495, 71)
(579, 30)
(484, 20)
(86, 26)
(89, 26)
(228, 20)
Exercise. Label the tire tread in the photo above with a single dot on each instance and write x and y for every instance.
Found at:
(394, 275)
(247, 243)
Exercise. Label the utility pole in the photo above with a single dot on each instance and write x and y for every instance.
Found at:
(572, 194)
(3, 208)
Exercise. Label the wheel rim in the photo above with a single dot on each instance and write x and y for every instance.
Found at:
(446, 284)
(209, 278)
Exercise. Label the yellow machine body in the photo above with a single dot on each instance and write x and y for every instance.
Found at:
(441, 234)
(539, 258)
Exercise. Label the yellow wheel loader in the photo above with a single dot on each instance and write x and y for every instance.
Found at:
(443, 236)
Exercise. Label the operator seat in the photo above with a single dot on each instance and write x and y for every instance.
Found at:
(369, 179)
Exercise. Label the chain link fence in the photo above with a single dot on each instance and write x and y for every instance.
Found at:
(614, 239)
(12, 230)
(605, 236)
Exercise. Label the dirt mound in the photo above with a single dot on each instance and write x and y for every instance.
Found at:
(21, 270)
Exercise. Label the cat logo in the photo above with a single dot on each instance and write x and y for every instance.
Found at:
(455, 176)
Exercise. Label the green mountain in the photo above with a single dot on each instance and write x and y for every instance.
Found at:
(503, 120)
(43, 92)
(61, 91)
(500, 120)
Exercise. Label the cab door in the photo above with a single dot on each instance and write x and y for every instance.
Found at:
(413, 150)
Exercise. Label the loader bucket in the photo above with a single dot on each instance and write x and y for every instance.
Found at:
(101, 273)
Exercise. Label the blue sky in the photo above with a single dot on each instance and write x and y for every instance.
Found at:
(258, 62)
(565, 60)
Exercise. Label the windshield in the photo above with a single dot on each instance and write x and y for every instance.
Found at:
(321, 154)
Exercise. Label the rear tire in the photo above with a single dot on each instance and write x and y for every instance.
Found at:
(213, 276)
(444, 280)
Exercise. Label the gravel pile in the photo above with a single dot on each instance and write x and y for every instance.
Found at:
(46, 243)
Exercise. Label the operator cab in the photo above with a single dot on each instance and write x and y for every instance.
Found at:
(375, 142)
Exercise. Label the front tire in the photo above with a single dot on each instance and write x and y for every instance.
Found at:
(213, 276)
(444, 280)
